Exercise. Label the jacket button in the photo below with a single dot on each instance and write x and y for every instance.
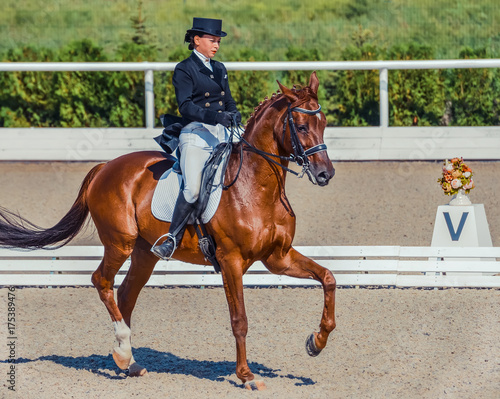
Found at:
(223, 93)
(207, 94)
(212, 76)
(207, 104)
(220, 103)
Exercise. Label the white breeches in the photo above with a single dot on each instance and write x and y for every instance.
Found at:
(196, 143)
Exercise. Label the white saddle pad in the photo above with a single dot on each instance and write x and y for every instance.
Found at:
(167, 191)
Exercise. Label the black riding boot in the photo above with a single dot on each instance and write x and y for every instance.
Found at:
(182, 211)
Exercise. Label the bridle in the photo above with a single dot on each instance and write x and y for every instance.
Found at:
(299, 156)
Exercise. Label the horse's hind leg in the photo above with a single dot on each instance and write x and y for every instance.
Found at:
(141, 267)
(294, 264)
(103, 279)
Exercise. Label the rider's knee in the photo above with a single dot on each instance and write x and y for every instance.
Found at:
(191, 195)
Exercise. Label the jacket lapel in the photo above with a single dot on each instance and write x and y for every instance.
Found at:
(218, 70)
(216, 75)
(201, 67)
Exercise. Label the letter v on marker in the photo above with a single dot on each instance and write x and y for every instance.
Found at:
(455, 235)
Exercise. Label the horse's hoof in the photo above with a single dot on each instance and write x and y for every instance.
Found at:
(121, 360)
(254, 385)
(136, 370)
(311, 348)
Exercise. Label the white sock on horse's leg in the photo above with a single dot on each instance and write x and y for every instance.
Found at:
(123, 352)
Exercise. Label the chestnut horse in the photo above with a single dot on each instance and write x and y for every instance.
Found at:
(254, 221)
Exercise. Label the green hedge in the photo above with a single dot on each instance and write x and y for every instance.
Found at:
(461, 97)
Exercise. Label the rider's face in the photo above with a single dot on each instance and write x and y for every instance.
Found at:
(207, 45)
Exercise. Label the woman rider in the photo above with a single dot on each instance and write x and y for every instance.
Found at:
(207, 109)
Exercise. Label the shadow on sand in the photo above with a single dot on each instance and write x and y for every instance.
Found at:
(160, 362)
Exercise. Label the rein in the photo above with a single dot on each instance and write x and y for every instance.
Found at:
(299, 156)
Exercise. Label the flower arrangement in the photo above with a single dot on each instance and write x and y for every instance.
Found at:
(456, 176)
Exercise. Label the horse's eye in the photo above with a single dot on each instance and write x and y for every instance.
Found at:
(302, 129)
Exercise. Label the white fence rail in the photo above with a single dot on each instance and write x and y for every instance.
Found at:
(344, 144)
(392, 266)
(149, 67)
(367, 143)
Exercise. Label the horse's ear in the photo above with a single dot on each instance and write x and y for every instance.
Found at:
(287, 92)
(314, 82)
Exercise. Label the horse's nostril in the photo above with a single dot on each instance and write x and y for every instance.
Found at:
(323, 178)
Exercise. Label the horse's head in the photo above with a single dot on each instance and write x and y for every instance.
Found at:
(301, 130)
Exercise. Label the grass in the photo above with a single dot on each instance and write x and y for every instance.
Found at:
(269, 26)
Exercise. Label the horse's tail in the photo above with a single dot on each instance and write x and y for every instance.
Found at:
(17, 232)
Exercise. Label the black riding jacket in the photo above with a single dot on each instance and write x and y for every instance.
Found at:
(201, 93)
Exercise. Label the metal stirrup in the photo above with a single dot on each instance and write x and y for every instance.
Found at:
(168, 235)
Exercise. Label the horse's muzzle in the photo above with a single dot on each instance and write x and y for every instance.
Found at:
(324, 177)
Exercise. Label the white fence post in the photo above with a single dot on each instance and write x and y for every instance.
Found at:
(384, 97)
(149, 98)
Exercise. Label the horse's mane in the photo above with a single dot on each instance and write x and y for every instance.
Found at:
(302, 93)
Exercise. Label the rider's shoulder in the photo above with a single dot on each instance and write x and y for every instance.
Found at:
(218, 64)
(186, 63)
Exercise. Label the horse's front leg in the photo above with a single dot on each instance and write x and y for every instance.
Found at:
(233, 285)
(295, 264)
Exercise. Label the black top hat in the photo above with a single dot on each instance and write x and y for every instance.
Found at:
(209, 26)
